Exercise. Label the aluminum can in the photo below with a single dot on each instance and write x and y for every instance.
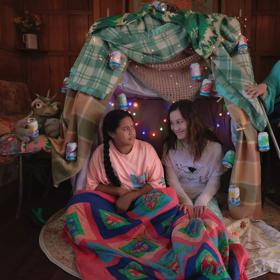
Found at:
(233, 195)
(71, 151)
(242, 45)
(195, 71)
(162, 7)
(32, 124)
(122, 101)
(228, 159)
(115, 60)
(263, 142)
(206, 87)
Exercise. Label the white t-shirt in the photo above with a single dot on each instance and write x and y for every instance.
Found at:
(194, 176)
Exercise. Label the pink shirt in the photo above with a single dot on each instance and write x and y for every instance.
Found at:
(139, 167)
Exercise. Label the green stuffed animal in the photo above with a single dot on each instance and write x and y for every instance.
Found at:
(47, 112)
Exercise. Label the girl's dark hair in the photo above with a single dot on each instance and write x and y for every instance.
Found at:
(110, 123)
(197, 132)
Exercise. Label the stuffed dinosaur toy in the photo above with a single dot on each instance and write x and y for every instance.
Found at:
(46, 111)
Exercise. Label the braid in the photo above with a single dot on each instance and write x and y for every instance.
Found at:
(108, 166)
(110, 123)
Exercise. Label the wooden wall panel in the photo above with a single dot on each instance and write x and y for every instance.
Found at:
(267, 27)
(37, 5)
(58, 33)
(58, 65)
(11, 66)
(83, 5)
(11, 63)
(57, 4)
(79, 26)
(65, 25)
(38, 74)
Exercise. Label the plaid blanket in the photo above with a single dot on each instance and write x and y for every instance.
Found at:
(80, 123)
(150, 36)
(246, 173)
(153, 240)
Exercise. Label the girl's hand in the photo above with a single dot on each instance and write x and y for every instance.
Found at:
(256, 90)
(121, 191)
(198, 211)
(187, 209)
(123, 202)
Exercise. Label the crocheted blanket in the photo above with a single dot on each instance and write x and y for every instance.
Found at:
(153, 240)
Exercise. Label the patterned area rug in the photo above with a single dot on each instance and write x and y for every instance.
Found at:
(258, 237)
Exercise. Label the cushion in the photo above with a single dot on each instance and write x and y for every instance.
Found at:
(15, 98)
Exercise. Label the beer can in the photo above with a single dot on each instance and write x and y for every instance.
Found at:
(195, 71)
(32, 124)
(162, 7)
(71, 151)
(122, 101)
(115, 59)
(263, 142)
(242, 45)
(233, 195)
(206, 87)
(228, 159)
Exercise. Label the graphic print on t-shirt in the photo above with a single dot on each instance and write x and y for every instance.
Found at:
(137, 181)
(191, 173)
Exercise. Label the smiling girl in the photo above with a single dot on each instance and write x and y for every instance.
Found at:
(192, 160)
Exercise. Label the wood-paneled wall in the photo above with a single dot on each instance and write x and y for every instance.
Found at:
(11, 62)
(65, 25)
(260, 22)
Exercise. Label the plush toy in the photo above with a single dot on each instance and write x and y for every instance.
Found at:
(47, 112)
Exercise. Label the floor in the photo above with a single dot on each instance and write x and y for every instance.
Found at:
(20, 254)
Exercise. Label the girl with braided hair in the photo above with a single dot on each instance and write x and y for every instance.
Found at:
(123, 166)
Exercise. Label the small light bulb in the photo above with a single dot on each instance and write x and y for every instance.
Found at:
(220, 114)
(153, 134)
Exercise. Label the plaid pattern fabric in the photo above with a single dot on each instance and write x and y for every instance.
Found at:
(150, 36)
(80, 121)
(246, 173)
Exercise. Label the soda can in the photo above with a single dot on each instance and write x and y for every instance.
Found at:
(115, 59)
(206, 87)
(71, 151)
(162, 7)
(228, 159)
(32, 124)
(242, 45)
(64, 85)
(195, 71)
(122, 101)
(233, 195)
(263, 142)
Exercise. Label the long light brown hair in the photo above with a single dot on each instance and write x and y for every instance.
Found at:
(197, 132)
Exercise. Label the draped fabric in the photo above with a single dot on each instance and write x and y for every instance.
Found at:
(153, 240)
(150, 37)
(80, 124)
(246, 173)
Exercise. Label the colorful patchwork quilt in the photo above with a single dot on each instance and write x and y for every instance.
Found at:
(153, 240)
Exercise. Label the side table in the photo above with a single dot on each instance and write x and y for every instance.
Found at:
(33, 168)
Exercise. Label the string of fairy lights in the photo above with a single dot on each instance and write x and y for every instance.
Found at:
(133, 108)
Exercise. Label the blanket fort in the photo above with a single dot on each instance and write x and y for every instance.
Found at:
(153, 240)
